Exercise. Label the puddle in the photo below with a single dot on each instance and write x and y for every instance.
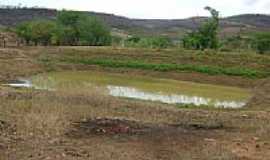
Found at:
(20, 83)
(171, 99)
(143, 88)
(24, 83)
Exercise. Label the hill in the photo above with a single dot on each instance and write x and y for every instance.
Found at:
(172, 28)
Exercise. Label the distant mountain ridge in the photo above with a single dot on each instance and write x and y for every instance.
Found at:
(171, 28)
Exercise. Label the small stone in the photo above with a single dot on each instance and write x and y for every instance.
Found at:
(64, 155)
(255, 138)
(244, 116)
(48, 158)
(238, 140)
(209, 140)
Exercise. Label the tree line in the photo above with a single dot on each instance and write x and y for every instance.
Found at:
(69, 28)
(76, 28)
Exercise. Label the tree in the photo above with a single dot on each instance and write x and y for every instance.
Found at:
(76, 28)
(93, 32)
(70, 28)
(69, 21)
(38, 32)
(24, 31)
(206, 35)
(42, 31)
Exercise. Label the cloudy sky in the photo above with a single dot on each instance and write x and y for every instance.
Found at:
(158, 9)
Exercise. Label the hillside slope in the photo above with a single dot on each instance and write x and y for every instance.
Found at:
(171, 28)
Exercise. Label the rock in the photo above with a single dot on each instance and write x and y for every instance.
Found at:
(255, 139)
(257, 146)
(209, 140)
(244, 116)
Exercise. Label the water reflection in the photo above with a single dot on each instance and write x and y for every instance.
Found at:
(20, 83)
(129, 92)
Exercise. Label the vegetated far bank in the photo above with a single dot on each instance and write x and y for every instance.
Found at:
(252, 66)
(164, 67)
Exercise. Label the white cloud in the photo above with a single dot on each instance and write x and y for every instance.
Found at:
(154, 8)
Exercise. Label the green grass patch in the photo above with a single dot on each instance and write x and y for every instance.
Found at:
(164, 67)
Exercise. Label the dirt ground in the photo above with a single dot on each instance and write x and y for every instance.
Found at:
(56, 126)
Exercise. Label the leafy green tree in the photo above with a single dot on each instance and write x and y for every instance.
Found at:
(24, 31)
(63, 35)
(206, 35)
(38, 32)
(93, 32)
(76, 28)
(42, 31)
(69, 21)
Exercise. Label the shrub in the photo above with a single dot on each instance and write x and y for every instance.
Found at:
(261, 42)
(148, 42)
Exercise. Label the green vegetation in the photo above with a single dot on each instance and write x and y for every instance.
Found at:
(70, 28)
(38, 32)
(261, 42)
(73, 28)
(206, 36)
(163, 67)
(148, 42)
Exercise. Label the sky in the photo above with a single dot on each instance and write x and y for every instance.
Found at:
(153, 9)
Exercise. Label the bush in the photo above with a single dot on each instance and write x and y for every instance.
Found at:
(261, 42)
(148, 42)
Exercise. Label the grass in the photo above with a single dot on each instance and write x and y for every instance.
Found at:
(164, 67)
(50, 113)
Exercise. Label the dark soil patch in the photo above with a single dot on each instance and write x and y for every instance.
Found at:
(3, 125)
(110, 127)
(201, 126)
(105, 126)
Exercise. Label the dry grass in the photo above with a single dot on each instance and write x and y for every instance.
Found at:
(42, 119)
(50, 113)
